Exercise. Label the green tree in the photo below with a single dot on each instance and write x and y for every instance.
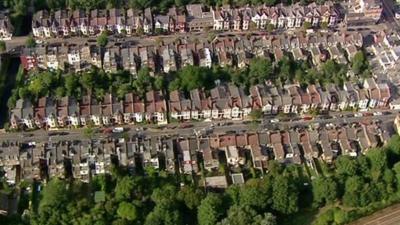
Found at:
(162, 215)
(102, 39)
(256, 194)
(353, 191)
(265, 219)
(239, 216)
(140, 4)
(191, 196)
(144, 81)
(123, 89)
(340, 216)
(378, 162)
(324, 190)
(260, 69)
(324, 25)
(60, 92)
(211, 210)
(36, 87)
(307, 25)
(124, 188)
(256, 114)
(127, 211)
(2, 46)
(71, 84)
(285, 195)
(359, 63)
(30, 42)
(23, 92)
(88, 81)
(346, 165)
(270, 27)
(160, 83)
(165, 195)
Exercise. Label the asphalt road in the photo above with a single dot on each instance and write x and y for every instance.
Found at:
(197, 128)
(16, 42)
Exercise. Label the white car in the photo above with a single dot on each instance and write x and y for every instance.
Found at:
(378, 113)
(358, 115)
(275, 121)
(118, 130)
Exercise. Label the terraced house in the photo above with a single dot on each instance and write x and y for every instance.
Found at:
(225, 101)
(81, 159)
(194, 17)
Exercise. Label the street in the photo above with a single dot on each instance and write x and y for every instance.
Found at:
(20, 41)
(197, 128)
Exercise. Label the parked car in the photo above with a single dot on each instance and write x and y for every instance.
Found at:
(358, 115)
(118, 130)
(378, 113)
(275, 121)
(186, 125)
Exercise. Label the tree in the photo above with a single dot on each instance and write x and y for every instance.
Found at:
(340, 216)
(160, 83)
(23, 92)
(124, 188)
(239, 216)
(102, 39)
(144, 81)
(30, 42)
(164, 216)
(265, 219)
(270, 27)
(353, 191)
(359, 63)
(2, 46)
(71, 84)
(89, 131)
(211, 210)
(270, 2)
(88, 81)
(165, 195)
(378, 162)
(324, 25)
(285, 195)
(307, 25)
(256, 114)
(256, 194)
(191, 196)
(345, 165)
(260, 69)
(36, 87)
(140, 4)
(285, 69)
(127, 211)
(123, 89)
(324, 190)
(60, 92)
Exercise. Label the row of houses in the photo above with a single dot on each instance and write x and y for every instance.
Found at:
(6, 28)
(67, 111)
(193, 17)
(225, 101)
(85, 158)
(363, 12)
(223, 51)
(385, 51)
